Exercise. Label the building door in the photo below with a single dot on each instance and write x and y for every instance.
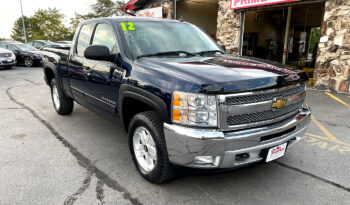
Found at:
(265, 30)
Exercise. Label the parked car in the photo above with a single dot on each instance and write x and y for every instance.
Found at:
(25, 54)
(41, 43)
(7, 58)
(58, 46)
(65, 42)
(8, 41)
(182, 100)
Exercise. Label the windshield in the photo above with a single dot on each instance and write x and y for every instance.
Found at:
(26, 47)
(149, 38)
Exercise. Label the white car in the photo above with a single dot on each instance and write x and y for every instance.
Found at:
(7, 58)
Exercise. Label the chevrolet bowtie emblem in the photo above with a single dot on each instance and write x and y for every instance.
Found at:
(279, 103)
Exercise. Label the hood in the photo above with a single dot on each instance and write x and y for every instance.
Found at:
(3, 50)
(227, 74)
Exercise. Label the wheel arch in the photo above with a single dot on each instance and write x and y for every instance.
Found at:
(145, 101)
(48, 75)
(50, 72)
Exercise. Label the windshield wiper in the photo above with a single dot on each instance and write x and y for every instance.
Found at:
(209, 52)
(168, 53)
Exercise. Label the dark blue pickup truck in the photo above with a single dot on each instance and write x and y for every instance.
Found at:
(182, 100)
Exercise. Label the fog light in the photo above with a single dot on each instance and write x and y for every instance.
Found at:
(242, 156)
(207, 161)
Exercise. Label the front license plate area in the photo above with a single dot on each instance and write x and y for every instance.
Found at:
(276, 152)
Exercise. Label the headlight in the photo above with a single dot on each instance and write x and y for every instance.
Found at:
(38, 55)
(194, 109)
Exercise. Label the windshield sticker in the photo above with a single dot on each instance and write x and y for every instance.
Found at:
(130, 26)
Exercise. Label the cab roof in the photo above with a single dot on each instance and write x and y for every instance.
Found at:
(129, 18)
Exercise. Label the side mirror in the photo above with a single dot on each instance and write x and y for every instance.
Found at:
(223, 47)
(16, 51)
(97, 52)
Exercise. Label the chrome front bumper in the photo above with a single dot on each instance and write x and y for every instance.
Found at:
(231, 149)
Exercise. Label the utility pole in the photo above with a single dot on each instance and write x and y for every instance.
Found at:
(24, 27)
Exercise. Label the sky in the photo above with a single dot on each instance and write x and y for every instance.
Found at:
(11, 10)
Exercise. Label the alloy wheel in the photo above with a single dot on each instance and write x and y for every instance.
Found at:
(28, 62)
(145, 149)
(55, 97)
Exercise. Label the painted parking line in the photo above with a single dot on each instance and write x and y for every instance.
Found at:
(330, 142)
(325, 138)
(323, 129)
(337, 99)
(325, 144)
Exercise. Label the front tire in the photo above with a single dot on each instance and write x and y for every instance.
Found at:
(62, 104)
(28, 62)
(148, 148)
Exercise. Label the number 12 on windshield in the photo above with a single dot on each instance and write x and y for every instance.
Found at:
(128, 26)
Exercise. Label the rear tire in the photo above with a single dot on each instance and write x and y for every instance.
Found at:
(62, 104)
(160, 169)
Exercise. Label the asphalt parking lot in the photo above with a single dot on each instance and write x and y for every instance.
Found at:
(84, 159)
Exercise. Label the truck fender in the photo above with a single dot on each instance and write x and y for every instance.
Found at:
(53, 69)
(153, 101)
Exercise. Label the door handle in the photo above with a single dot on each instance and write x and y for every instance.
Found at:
(86, 69)
(87, 72)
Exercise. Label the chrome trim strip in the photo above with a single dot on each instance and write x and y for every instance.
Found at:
(249, 108)
(92, 96)
(77, 89)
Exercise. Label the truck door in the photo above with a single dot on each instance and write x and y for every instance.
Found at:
(103, 77)
(76, 60)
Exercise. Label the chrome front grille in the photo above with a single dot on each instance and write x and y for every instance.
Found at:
(253, 109)
(236, 100)
(262, 116)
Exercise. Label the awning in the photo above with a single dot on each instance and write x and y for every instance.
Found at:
(128, 6)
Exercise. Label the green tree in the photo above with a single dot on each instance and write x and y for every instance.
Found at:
(102, 8)
(49, 25)
(45, 24)
(17, 29)
(79, 18)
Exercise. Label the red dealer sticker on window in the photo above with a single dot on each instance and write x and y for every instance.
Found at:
(240, 4)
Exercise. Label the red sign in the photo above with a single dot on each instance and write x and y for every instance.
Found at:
(240, 4)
